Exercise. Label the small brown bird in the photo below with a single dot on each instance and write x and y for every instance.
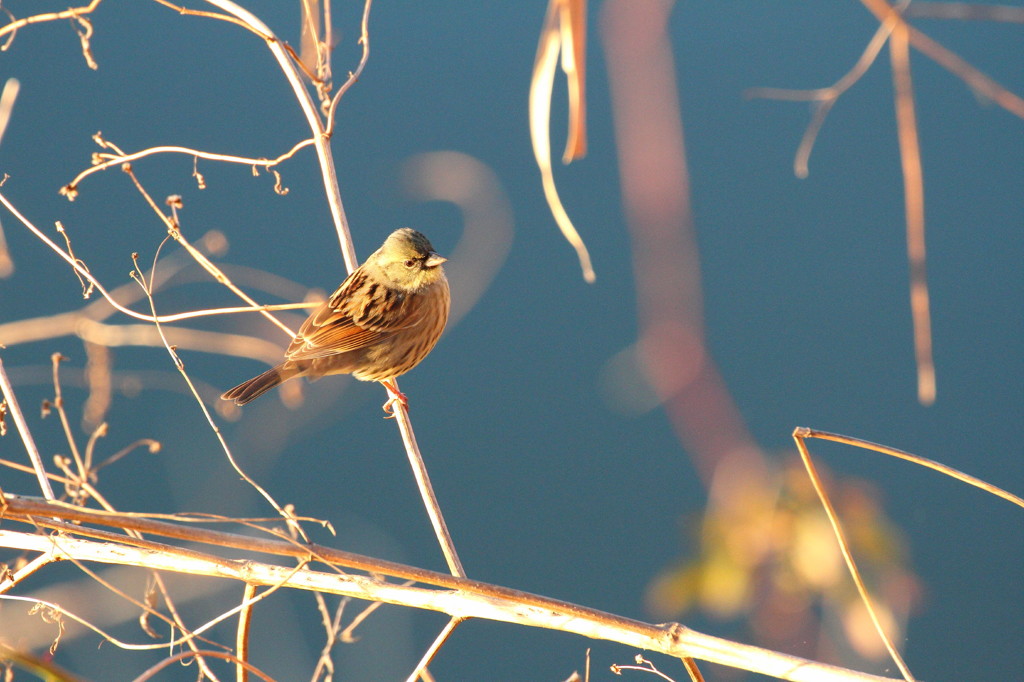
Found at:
(380, 323)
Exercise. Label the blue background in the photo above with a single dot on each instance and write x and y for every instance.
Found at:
(545, 486)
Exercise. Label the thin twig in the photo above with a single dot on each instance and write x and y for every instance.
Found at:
(72, 13)
(967, 11)
(347, 635)
(404, 424)
(174, 231)
(202, 405)
(67, 548)
(646, 666)
(913, 195)
(15, 660)
(242, 634)
(844, 548)
(26, 435)
(58, 404)
(83, 622)
(185, 655)
(147, 609)
(952, 62)
(15, 577)
(115, 335)
(826, 98)
(108, 160)
(353, 76)
(127, 311)
(419, 471)
(185, 11)
(434, 647)
(332, 626)
(309, 109)
(81, 482)
(334, 199)
(692, 669)
(804, 432)
(325, 45)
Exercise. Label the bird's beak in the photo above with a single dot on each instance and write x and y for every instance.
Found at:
(434, 259)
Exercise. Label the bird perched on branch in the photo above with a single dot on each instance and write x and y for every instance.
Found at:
(380, 323)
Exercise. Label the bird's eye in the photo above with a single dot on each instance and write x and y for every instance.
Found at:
(409, 263)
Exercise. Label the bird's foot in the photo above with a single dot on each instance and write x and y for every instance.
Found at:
(396, 397)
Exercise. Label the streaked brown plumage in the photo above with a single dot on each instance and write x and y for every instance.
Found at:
(380, 323)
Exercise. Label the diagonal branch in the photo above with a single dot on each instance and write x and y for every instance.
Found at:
(459, 597)
(976, 79)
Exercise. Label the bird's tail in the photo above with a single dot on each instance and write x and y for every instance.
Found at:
(257, 386)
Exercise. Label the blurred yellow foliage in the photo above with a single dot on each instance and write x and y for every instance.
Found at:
(767, 553)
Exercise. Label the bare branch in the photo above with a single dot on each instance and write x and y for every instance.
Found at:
(105, 161)
(460, 598)
(913, 194)
(26, 435)
(72, 13)
(966, 11)
(949, 60)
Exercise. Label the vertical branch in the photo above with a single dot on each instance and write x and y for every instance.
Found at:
(913, 192)
(7, 96)
(322, 137)
(419, 470)
(692, 670)
(58, 404)
(353, 76)
(573, 31)
(327, 42)
(242, 635)
(655, 184)
(975, 79)
(321, 140)
(26, 435)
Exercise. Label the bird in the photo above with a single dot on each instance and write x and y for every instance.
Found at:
(379, 324)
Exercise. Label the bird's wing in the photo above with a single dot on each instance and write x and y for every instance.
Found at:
(345, 322)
